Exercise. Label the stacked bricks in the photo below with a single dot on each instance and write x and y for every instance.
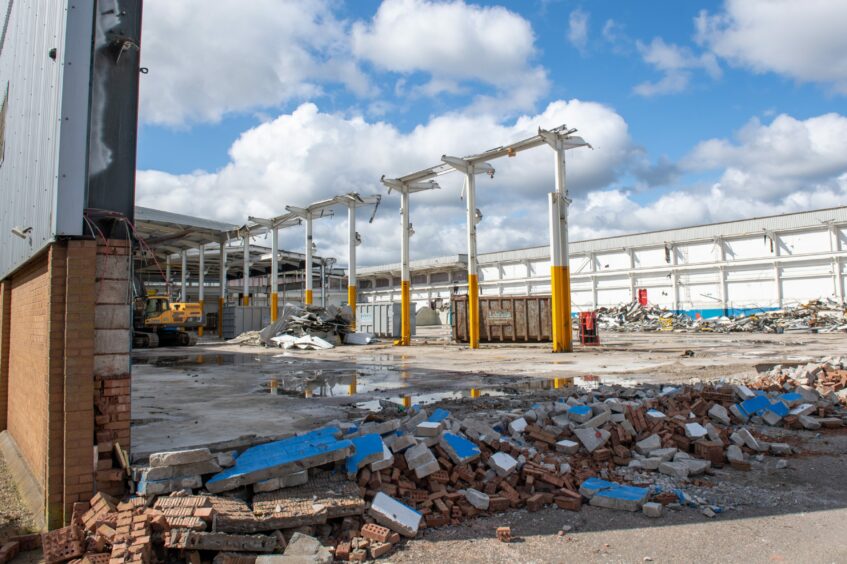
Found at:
(113, 333)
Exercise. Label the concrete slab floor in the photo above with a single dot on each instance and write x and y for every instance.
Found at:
(216, 392)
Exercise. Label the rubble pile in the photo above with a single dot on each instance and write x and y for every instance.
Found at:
(352, 490)
(309, 327)
(823, 315)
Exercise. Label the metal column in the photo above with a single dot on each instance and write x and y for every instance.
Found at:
(351, 261)
(246, 276)
(274, 286)
(168, 276)
(222, 296)
(405, 279)
(560, 280)
(307, 298)
(473, 281)
(184, 277)
(201, 281)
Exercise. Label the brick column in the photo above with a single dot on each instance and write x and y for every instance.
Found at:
(79, 374)
(5, 332)
(55, 463)
(113, 335)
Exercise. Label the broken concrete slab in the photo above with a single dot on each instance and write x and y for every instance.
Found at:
(397, 516)
(652, 509)
(567, 446)
(734, 454)
(366, 450)
(518, 426)
(177, 457)
(280, 482)
(592, 438)
(646, 446)
(676, 469)
(580, 413)
(625, 498)
(160, 487)
(428, 429)
(155, 473)
(459, 449)
(695, 431)
(477, 499)
(403, 442)
(502, 463)
(719, 414)
(305, 547)
(387, 460)
(282, 457)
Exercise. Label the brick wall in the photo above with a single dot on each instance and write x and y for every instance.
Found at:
(64, 368)
(29, 327)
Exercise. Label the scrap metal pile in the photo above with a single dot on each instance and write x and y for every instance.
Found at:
(823, 315)
(309, 327)
(352, 490)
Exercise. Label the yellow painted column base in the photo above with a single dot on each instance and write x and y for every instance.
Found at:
(307, 297)
(274, 306)
(246, 300)
(473, 311)
(557, 315)
(202, 317)
(566, 295)
(351, 301)
(220, 317)
(405, 308)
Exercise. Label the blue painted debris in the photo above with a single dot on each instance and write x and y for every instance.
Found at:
(755, 406)
(612, 495)
(282, 457)
(368, 449)
(791, 398)
(438, 415)
(779, 408)
(459, 449)
(579, 410)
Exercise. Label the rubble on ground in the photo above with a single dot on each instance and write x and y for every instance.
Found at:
(307, 328)
(822, 315)
(353, 490)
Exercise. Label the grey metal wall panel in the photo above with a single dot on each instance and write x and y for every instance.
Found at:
(46, 116)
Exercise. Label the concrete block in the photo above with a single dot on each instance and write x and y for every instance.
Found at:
(678, 470)
(771, 418)
(808, 422)
(567, 446)
(646, 446)
(781, 449)
(719, 414)
(226, 459)
(560, 420)
(398, 517)
(739, 413)
(650, 463)
(418, 455)
(303, 548)
(427, 468)
(598, 420)
(378, 427)
(210, 466)
(734, 453)
(580, 413)
(624, 498)
(654, 415)
(502, 463)
(428, 429)
(695, 431)
(477, 499)
(112, 341)
(518, 426)
(664, 454)
(592, 438)
(387, 460)
(402, 442)
(180, 457)
(283, 457)
(714, 435)
(803, 409)
(652, 509)
(743, 392)
(160, 487)
(749, 439)
(696, 466)
(459, 449)
(367, 449)
(289, 481)
(480, 431)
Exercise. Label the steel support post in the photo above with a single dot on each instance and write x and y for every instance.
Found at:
(222, 296)
(307, 296)
(201, 287)
(246, 277)
(473, 280)
(560, 282)
(351, 261)
(274, 285)
(405, 279)
(183, 277)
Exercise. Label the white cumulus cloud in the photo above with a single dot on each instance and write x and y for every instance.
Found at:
(578, 29)
(805, 41)
(676, 63)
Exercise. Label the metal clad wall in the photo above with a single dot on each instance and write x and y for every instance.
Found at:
(31, 160)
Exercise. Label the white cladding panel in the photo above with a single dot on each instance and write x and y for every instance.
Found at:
(489, 272)
(697, 253)
(748, 248)
(650, 257)
(514, 270)
(754, 293)
(804, 243)
(618, 260)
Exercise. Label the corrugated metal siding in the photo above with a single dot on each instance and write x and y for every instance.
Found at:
(28, 174)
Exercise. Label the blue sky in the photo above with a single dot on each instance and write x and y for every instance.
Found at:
(689, 107)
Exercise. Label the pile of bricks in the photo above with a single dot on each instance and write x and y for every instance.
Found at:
(111, 427)
(827, 378)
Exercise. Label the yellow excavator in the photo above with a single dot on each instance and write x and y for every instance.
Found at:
(157, 322)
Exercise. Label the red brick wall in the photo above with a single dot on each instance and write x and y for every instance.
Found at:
(64, 360)
(29, 328)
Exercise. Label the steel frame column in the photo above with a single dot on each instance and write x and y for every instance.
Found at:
(307, 294)
(274, 285)
(405, 278)
(222, 296)
(201, 281)
(183, 277)
(168, 275)
(351, 261)
(473, 270)
(246, 266)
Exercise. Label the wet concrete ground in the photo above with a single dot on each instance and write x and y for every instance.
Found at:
(216, 392)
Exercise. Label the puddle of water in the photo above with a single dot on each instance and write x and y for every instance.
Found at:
(196, 360)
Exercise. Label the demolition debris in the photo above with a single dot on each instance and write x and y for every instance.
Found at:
(823, 315)
(353, 490)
